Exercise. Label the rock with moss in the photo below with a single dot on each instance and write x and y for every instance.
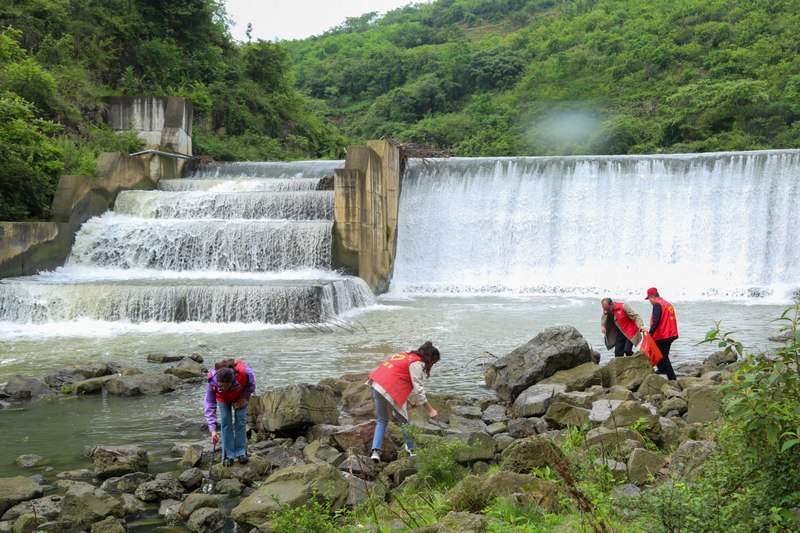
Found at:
(474, 493)
(643, 465)
(84, 505)
(296, 407)
(704, 403)
(456, 522)
(561, 415)
(535, 400)
(628, 372)
(525, 455)
(14, 490)
(579, 378)
(113, 461)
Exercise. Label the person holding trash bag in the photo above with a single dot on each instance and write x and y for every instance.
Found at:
(230, 386)
(620, 325)
(663, 329)
(392, 383)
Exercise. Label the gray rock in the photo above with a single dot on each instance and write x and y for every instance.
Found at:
(494, 413)
(164, 486)
(462, 424)
(718, 361)
(26, 388)
(91, 386)
(628, 372)
(205, 519)
(357, 439)
(84, 505)
(497, 427)
(229, 487)
(78, 475)
(143, 384)
(113, 461)
(705, 403)
(679, 405)
(320, 452)
(282, 457)
(613, 438)
(127, 483)
(191, 478)
(293, 487)
(690, 456)
(360, 490)
(358, 465)
(480, 446)
(132, 506)
(48, 508)
(626, 491)
(14, 490)
(525, 455)
(652, 384)
(468, 411)
(108, 525)
(193, 456)
(554, 349)
(561, 415)
(643, 464)
(601, 410)
(628, 413)
(162, 358)
(455, 522)
(579, 378)
(474, 493)
(519, 428)
(535, 400)
(296, 407)
(28, 460)
(503, 441)
(187, 369)
(577, 398)
(196, 501)
(618, 471)
(169, 509)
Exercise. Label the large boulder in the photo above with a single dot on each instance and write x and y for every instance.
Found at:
(14, 490)
(84, 505)
(143, 384)
(688, 459)
(613, 438)
(524, 455)
(556, 348)
(579, 378)
(188, 369)
(643, 464)
(705, 403)
(127, 483)
(26, 388)
(164, 486)
(628, 372)
(205, 519)
(296, 407)
(113, 461)
(455, 522)
(535, 400)
(719, 361)
(474, 493)
(359, 490)
(627, 414)
(292, 487)
(561, 415)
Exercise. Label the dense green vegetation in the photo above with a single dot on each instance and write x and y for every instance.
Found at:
(59, 57)
(517, 77)
(472, 77)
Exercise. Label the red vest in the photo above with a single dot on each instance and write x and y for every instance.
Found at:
(394, 377)
(667, 326)
(628, 326)
(233, 393)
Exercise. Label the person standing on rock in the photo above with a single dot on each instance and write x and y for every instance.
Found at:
(392, 383)
(230, 386)
(620, 325)
(663, 329)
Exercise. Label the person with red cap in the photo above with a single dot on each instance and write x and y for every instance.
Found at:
(620, 325)
(663, 329)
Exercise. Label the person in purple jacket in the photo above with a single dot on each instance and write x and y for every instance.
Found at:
(230, 386)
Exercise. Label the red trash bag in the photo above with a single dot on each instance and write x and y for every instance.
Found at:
(650, 349)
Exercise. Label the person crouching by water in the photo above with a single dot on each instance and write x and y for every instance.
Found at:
(230, 386)
(620, 324)
(392, 384)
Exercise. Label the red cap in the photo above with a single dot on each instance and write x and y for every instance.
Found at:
(651, 291)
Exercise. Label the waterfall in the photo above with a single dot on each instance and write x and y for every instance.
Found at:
(710, 225)
(242, 242)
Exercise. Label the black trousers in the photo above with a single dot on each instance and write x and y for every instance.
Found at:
(664, 366)
(622, 346)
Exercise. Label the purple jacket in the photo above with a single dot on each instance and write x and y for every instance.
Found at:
(210, 402)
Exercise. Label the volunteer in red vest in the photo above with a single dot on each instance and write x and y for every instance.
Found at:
(392, 383)
(620, 325)
(663, 329)
(230, 386)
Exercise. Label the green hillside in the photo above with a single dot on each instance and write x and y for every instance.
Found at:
(470, 77)
(516, 77)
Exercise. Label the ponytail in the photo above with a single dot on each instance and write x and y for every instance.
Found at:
(430, 354)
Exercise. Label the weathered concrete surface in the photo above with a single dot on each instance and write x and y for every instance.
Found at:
(366, 198)
(164, 121)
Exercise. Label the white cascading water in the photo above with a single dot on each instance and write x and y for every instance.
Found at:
(711, 225)
(234, 243)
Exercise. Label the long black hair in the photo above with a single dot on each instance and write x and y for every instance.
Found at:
(429, 353)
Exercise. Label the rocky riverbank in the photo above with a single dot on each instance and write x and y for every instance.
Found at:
(310, 442)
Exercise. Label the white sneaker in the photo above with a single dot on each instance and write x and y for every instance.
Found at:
(376, 456)
(411, 453)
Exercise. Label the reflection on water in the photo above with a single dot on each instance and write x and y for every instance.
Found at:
(467, 330)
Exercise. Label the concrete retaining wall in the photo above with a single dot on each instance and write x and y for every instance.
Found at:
(366, 200)
(31, 247)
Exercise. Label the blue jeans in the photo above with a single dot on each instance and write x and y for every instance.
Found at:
(382, 407)
(233, 426)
